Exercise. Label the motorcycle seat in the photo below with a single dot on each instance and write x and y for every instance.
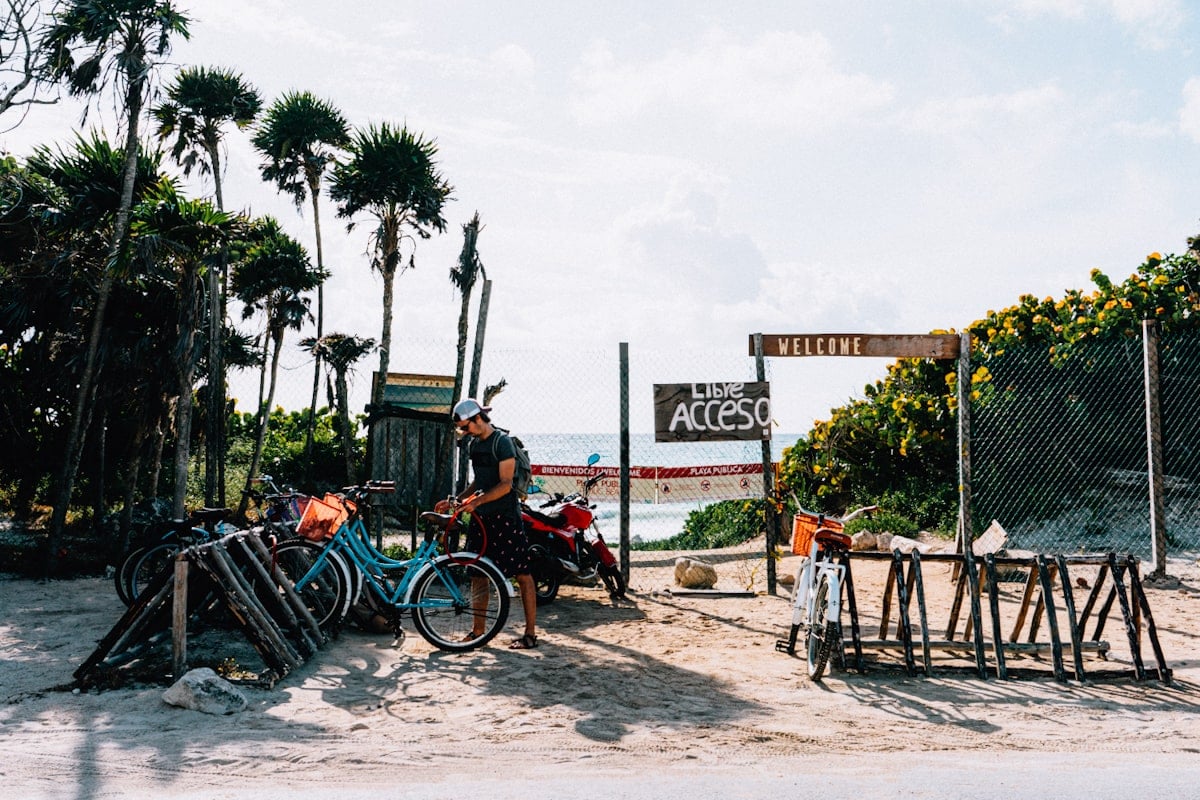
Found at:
(550, 520)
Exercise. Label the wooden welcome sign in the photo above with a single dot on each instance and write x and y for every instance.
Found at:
(873, 345)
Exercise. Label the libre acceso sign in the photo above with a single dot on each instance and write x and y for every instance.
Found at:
(693, 412)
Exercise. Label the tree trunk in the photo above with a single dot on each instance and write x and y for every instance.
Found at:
(314, 190)
(215, 400)
(74, 448)
(188, 317)
(342, 392)
(133, 472)
(385, 341)
(160, 438)
(276, 338)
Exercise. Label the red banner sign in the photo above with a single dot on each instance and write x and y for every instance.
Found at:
(656, 484)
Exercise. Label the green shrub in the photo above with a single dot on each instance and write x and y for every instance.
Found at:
(884, 521)
(722, 524)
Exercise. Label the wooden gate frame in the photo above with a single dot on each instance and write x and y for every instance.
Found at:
(277, 623)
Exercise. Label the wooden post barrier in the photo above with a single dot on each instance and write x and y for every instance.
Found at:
(1047, 577)
(236, 573)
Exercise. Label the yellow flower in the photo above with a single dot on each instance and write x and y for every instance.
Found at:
(1156, 256)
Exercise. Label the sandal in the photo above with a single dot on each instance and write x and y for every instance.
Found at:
(526, 642)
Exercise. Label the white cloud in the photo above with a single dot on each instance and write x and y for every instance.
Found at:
(779, 80)
(1153, 23)
(949, 116)
(1189, 113)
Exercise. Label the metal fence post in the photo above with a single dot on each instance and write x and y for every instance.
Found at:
(768, 482)
(624, 512)
(965, 535)
(1154, 449)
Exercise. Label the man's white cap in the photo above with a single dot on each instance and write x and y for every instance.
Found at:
(468, 408)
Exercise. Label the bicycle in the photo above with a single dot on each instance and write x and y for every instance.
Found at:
(450, 595)
(273, 504)
(817, 594)
(142, 563)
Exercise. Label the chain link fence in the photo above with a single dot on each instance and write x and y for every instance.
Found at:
(565, 406)
(1059, 447)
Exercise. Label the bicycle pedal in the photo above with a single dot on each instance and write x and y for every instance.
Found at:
(782, 646)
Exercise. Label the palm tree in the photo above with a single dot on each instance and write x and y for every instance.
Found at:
(392, 176)
(202, 100)
(89, 41)
(272, 277)
(463, 275)
(298, 138)
(340, 351)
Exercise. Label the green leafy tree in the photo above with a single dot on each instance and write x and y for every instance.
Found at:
(89, 41)
(390, 175)
(190, 235)
(897, 446)
(299, 138)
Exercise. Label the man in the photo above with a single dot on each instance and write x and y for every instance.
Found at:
(495, 507)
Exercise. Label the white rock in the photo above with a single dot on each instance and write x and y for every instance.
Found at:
(883, 542)
(863, 540)
(691, 573)
(206, 691)
(907, 545)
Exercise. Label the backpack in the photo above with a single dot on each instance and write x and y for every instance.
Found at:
(523, 472)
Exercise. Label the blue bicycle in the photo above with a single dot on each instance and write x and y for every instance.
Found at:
(458, 600)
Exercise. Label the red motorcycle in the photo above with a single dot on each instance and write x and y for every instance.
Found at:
(566, 545)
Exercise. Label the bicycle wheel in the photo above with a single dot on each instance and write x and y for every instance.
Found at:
(823, 632)
(123, 576)
(614, 581)
(152, 561)
(450, 597)
(327, 591)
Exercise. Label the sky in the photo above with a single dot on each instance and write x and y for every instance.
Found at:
(679, 175)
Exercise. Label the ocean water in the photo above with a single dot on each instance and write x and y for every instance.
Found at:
(647, 521)
(574, 448)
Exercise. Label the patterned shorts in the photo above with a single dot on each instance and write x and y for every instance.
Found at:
(505, 542)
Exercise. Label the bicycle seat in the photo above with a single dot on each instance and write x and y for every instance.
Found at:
(831, 540)
(441, 521)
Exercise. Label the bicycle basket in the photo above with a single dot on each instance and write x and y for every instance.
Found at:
(321, 518)
(804, 525)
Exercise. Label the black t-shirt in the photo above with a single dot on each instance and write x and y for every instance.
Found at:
(486, 455)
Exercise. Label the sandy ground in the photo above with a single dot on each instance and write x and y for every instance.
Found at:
(665, 695)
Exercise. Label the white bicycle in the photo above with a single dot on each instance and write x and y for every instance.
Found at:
(817, 594)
